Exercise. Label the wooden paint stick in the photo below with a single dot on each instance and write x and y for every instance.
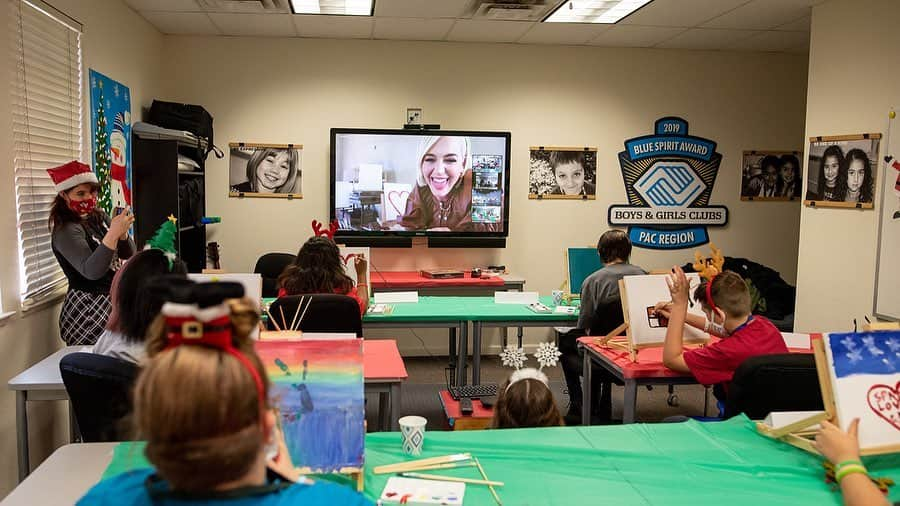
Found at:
(283, 322)
(413, 465)
(438, 477)
(296, 312)
(490, 487)
(272, 320)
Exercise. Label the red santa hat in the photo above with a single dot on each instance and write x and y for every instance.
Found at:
(72, 174)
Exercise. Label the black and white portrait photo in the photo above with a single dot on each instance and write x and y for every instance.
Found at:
(771, 175)
(264, 170)
(562, 173)
(841, 171)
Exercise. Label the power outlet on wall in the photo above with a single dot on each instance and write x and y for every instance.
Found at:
(414, 116)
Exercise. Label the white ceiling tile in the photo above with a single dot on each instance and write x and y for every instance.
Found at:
(635, 36)
(468, 30)
(164, 5)
(800, 25)
(562, 33)
(254, 25)
(761, 15)
(334, 27)
(246, 6)
(707, 38)
(181, 23)
(774, 41)
(680, 12)
(420, 8)
(411, 28)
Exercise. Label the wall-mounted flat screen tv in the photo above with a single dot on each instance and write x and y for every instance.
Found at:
(437, 183)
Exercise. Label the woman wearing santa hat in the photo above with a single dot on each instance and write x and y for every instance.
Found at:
(89, 247)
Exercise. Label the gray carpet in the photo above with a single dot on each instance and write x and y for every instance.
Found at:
(427, 377)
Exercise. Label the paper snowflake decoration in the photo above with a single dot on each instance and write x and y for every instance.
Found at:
(512, 356)
(547, 355)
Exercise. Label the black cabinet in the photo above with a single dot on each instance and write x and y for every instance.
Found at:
(160, 189)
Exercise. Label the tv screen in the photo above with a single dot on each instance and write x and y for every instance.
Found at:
(428, 182)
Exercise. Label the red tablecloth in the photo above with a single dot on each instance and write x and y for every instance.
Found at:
(649, 360)
(413, 279)
(381, 360)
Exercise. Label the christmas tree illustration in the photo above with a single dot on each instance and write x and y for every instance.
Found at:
(101, 155)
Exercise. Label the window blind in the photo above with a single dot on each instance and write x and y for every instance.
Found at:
(46, 113)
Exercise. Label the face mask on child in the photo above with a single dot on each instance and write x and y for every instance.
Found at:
(83, 207)
(715, 328)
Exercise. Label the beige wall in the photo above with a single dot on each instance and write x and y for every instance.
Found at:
(284, 90)
(853, 83)
(120, 44)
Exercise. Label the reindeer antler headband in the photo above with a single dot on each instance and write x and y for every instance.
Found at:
(547, 355)
(709, 268)
(327, 232)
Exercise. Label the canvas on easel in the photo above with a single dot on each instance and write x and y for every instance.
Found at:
(643, 327)
(859, 375)
(348, 258)
(317, 388)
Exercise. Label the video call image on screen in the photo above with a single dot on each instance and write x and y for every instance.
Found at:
(419, 183)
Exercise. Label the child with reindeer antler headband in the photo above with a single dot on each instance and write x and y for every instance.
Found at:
(725, 299)
(201, 404)
(319, 268)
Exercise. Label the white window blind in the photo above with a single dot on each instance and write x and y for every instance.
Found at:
(46, 109)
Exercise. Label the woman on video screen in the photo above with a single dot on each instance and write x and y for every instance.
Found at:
(441, 200)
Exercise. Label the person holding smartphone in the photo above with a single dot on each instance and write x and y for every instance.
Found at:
(89, 246)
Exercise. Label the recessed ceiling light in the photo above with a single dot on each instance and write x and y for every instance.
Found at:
(594, 11)
(336, 7)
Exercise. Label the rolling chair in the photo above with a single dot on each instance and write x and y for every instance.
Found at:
(321, 313)
(270, 266)
(99, 389)
(767, 383)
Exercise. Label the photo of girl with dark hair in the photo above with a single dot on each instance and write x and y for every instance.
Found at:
(259, 169)
(841, 170)
(770, 175)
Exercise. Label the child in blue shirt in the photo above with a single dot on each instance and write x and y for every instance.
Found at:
(201, 404)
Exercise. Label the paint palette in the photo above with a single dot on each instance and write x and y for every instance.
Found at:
(415, 492)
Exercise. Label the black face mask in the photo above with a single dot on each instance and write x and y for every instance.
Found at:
(158, 489)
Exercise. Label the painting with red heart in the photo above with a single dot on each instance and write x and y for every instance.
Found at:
(885, 402)
(348, 258)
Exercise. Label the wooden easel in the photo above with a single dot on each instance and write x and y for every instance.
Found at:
(801, 433)
(615, 339)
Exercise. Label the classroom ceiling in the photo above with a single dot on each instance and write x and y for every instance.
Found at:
(742, 25)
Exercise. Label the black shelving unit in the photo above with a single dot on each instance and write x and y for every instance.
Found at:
(156, 180)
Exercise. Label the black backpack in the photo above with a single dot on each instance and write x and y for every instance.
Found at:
(191, 118)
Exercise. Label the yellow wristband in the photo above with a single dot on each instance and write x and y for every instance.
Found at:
(848, 470)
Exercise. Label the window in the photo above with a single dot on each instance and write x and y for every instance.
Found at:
(46, 113)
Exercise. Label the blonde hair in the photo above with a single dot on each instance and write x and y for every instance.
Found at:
(428, 142)
(525, 403)
(198, 408)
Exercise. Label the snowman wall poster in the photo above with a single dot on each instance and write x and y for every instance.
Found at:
(111, 140)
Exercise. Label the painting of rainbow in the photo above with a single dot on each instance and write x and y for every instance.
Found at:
(317, 386)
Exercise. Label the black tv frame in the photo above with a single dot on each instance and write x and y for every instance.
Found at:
(403, 239)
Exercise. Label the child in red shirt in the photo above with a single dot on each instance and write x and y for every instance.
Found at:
(318, 269)
(726, 302)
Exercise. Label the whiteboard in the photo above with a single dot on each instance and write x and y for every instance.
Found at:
(348, 254)
(640, 294)
(887, 268)
(864, 381)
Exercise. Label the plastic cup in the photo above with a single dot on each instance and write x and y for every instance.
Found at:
(412, 434)
(557, 297)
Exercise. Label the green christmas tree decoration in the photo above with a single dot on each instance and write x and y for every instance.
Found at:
(101, 156)
(164, 240)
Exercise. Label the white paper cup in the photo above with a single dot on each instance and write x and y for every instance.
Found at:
(412, 434)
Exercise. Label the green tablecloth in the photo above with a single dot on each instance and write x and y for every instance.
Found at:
(691, 464)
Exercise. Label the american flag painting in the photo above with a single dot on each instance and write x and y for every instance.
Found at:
(865, 375)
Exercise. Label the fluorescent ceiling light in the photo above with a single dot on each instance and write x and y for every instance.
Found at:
(594, 11)
(337, 7)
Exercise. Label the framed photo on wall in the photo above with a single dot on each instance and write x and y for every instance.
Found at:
(264, 170)
(842, 171)
(771, 175)
(562, 173)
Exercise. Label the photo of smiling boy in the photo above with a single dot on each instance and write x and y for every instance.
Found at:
(264, 169)
(563, 173)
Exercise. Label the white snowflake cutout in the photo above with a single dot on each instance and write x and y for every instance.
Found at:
(848, 342)
(854, 356)
(893, 344)
(547, 355)
(869, 342)
(512, 356)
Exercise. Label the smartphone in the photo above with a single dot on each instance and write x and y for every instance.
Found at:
(117, 211)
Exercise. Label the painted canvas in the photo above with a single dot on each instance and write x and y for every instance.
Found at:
(111, 140)
(317, 386)
(641, 293)
(348, 256)
(865, 379)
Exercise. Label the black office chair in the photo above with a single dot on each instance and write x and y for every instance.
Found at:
(767, 383)
(606, 318)
(320, 312)
(99, 390)
(270, 266)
